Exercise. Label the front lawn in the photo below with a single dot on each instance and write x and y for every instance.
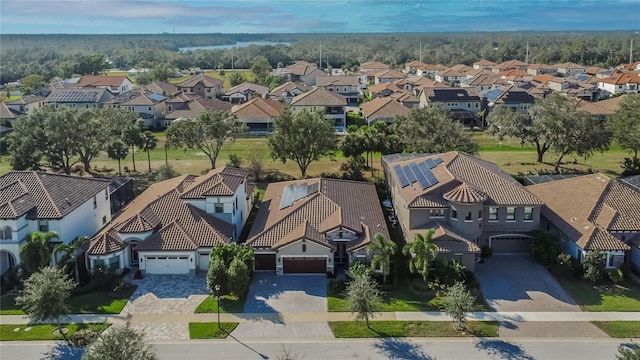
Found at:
(402, 298)
(619, 329)
(99, 302)
(228, 304)
(209, 330)
(622, 297)
(10, 332)
(358, 329)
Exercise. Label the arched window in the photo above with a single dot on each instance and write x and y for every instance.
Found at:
(5, 234)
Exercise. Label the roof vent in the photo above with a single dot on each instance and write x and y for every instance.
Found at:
(573, 219)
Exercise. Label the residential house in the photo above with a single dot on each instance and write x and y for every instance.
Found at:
(79, 98)
(333, 106)
(7, 113)
(412, 66)
(244, 92)
(464, 103)
(189, 107)
(385, 76)
(287, 91)
(348, 86)
(149, 106)
(429, 70)
(406, 98)
(383, 109)
(484, 64)
(454, 74)
(302, 72)
(26, 104)
(593, 212)
(162, 88)
(622, 83)
(509, 65)
(471, 203)
(172, 226)
(383, 89)
(315, 225)
(33, 201)
(115, 84)
(203, 85)
(482, 82)
(512, 97)
(516, 77)
(371, 66)
(570, 69)
(542, 69)
(258, 114)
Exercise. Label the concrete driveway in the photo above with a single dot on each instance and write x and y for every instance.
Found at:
(517, 283)
(271, 295)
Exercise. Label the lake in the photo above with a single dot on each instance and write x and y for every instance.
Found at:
(229, 46)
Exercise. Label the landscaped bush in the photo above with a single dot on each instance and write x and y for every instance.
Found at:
(486, 252)
(102, 278)
(594, 267)
(122, 285)
(336, 287)
(83, 338)
(235, 161)
(616, 275)
(545, 247)
(565, 264)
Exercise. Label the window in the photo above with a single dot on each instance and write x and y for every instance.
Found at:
(5, 234)
(454, 214)
(468, 217)
(95, 202)
(219, 207)
(304, 247)
(104, 219)
(493, 214)
(114, 262)
(480, 215)
(149, 108)
(469, 105)
(235, 206)
(43, 225)
(528, 214)
(106, 194)
(436, 213)
(511, 214)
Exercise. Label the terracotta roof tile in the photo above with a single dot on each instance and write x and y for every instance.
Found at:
(248, 87)
(106, 243)
(465, 194)
(101, 80)
(206, 80)
(319, 97)
(258, 108)
(384, 107)
(446, 239)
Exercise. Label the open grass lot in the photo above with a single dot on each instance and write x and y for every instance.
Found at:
(619, 329)
(10, 332)
(228, 304)
(402, 298)
(99, 302)
(209, 330)
(383, 329)
(622, 297)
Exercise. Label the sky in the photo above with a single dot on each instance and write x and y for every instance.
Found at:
(313, 16)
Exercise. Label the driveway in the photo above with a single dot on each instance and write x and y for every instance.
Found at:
(517, 283)
(271, 294)
(167, 294)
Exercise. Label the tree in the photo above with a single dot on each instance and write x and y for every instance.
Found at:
(166, 172)
(34, 81)
(235, 78)
(624, 124)
(628, 352)
(225, 268)
(422, 251)
(90, 64)
(239, 277)
(118, 150)
(255, 157)
(163, 72)
(23, 146)
(120, 343)
(382, 249)
(71, 253)
(505, 122)
(148, 143)
(302, 137)
(545, 247)
(261, 69)
(217, 275)
(44, 297)
(433, 130)
(143, 78)
(458, 302)
(132, 136)
(364, 297)
(36, 253)
(595, 266)
(207, 133)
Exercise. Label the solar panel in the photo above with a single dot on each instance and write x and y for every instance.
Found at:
(430, 163)
(287, 196)
(299, 192)
(401, 176)
(313, 188)
(409, 174)
(423, 179)
(438, 161)
(156, 97)
(431, 178)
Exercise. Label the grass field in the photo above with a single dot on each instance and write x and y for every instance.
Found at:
(10, 332)
(384, 329)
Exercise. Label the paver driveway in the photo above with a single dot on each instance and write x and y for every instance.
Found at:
(162, 294)
(271, 294)
(517, 283)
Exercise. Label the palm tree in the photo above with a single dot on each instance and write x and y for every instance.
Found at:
(382, 250)
(117, 150)
(71, 253)
(35, 253)
(422, 251)
(132, 136)
(148, 143)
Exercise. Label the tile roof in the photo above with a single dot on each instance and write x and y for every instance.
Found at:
(196, 106)
(319, 97)
(465, 194)
(26, 100)
(79, 95)
(161, 87)
(343, 80)
(624, 78)
(206, 80)
(445, 238)
(484, 62)
(247, 87)
(101, 80)
(586, 207)
(451, 94)
(299, 68)
(383, 107)
(288, 87)
(389, 74)
(177, 225)
(374, 65)
(515, 95)
(257, 109)
(328, 204)
(42, 195)
(8, 113)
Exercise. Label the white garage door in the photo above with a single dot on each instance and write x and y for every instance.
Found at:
(204, 261)
(167, 264)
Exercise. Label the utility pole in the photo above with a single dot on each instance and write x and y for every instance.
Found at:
(526, 59)
(631, 53)
(420, 51)
(320, 63)
(232, 57)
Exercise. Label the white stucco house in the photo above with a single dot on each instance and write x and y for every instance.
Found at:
(315, 225)
(173, 225)
(33, 201)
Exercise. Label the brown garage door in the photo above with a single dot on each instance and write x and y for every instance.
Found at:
(304, 265)
(511, 245)
(265, 262)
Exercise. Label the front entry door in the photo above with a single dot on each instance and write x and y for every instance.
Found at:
(133, 253)
(341, 256)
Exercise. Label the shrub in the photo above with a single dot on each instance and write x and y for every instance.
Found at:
(486, 252)
(122, 285)
(594, 267)
(101, 277)
(336, 286)
(83, 337)
(545, 247)
(565, 264)
(616, 275)
(166, 172)
(235, 161)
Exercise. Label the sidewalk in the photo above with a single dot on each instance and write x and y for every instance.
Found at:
(338, 316)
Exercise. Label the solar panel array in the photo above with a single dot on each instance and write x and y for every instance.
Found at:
(292, 193)
(74, 96)
(156, 97)
(418, 172)
(287, 196)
